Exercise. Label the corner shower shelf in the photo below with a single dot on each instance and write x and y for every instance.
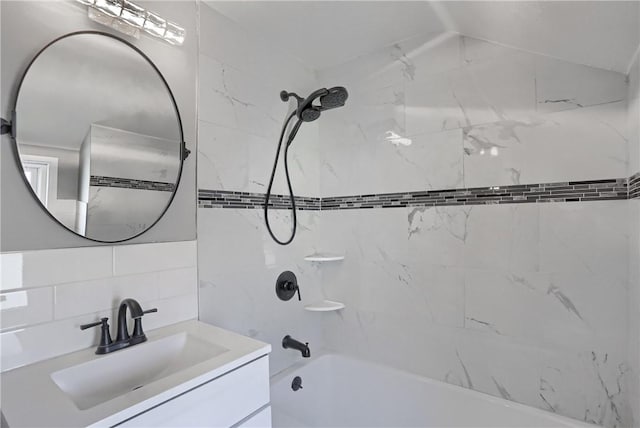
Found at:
(324, 257)
(325, 306)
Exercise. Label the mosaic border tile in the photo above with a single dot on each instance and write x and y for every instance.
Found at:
(634, 186)
(569, 191)
(129, 183)
(230, 199)
(572, 191)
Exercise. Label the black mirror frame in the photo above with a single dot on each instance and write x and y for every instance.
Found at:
(184, 152)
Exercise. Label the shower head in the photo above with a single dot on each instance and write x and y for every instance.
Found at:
(336, 97)
(329, 98)
(306, 112)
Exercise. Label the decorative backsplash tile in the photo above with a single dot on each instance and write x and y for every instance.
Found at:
(634, 186)
(129, 183)
(229, 199)
(571, 191)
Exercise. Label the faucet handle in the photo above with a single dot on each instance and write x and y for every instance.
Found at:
(94, 324)
(148, 311)
(105, 336)
(138, 334)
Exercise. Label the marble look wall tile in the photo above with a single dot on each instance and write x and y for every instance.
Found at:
(136, 211)
(380, 69)
(438, 292)
(562, 85)
(241, 113)
(562, 381)
(437, 235)
(214, 103)
(503, 238)
(568, 310)
(429, 54)
(471, 298)
(514, 301)
(382, 278)
(633, 378)
(237, 282)
(633, 305)
(490, 92)
(634, 134)
(558, 147)
(506, 82)
(475, 50)
(223, 39)
(257, 105)
(566, 247)
(442, 102)
(231, 159)
(236, 99)
(383, 164)
(222, 158)
(633, 122)
(480, 92)
(586, 385)
(376, 112)
(390, 285)
(425, 54)
(415, 166)
(304, 163)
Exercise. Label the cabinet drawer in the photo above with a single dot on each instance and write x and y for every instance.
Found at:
(221, 402)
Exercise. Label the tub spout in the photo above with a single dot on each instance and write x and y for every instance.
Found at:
(289, 342)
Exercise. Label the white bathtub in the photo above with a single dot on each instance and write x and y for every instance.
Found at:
(340, 391)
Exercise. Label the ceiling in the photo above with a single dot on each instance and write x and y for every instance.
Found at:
(320, 33)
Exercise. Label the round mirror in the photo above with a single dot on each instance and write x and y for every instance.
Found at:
(98, 136)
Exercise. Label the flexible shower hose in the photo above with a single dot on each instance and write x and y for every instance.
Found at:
(292, 135)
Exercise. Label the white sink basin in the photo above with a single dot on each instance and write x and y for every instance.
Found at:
(112, 375)
(85, 389)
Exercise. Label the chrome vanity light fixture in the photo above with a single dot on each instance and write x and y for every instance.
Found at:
(129, 18)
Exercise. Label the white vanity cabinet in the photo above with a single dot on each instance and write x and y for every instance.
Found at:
(240, 397)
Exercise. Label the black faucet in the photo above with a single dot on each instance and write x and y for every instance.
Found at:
(123, 339)
(290, 342)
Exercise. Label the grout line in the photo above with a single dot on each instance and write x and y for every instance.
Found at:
(102, 278)
(113, 261)
(633, 60)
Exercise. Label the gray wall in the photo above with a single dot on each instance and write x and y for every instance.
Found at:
(68, 167)
(26, 28)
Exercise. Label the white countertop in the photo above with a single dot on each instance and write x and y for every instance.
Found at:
(30, 398)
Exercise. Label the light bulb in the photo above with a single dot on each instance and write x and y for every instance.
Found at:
(133, 14)
(174, 34)
(155, 25)
(109, 7)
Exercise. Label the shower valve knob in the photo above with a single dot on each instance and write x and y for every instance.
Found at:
(287, 286)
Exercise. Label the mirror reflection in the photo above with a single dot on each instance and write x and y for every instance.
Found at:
(98, 136)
